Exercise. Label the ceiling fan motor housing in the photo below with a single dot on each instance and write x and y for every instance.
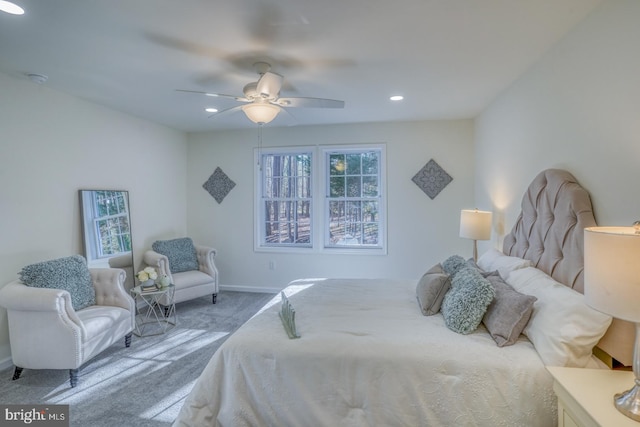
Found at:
(250, 91)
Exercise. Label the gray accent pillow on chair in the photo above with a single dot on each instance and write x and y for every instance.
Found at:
(508, 313)
(181, 253)
(70, 274)
(431, 290)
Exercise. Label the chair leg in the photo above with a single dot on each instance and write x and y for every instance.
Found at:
(127, 340)
(215, 297)
(73, 377)
(17, 373)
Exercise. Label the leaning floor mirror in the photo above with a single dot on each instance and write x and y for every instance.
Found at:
(106, 230)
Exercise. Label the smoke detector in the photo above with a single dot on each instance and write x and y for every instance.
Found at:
(37, 78)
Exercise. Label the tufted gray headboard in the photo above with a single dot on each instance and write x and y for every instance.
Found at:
(550, 229)
(550, 233)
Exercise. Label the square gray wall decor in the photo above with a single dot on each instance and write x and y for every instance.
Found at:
(432, 179)
(219, 185)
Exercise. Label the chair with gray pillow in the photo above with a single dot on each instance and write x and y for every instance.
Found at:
(190, 268)
(61, 314)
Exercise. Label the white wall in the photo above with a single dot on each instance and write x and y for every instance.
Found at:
(52, 145)
(420, 230)
(578, 109)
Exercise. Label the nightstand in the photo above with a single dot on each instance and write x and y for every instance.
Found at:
(585, 396)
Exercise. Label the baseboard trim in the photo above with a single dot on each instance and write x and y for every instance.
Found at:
(6, 363)
(237, 288)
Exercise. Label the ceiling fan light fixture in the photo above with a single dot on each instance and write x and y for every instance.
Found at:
(261, 113)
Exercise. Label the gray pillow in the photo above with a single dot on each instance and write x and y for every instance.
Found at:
(471, 263)
(180, 252)
(453, 264)
(431, 290)
(509, 312)
(466, 302)
(69, 274)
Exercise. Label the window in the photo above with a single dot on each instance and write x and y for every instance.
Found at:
(286, 199)
(347, 184)
(110, 221)
(353, 198)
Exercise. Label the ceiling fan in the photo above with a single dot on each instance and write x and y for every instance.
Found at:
(262, 101)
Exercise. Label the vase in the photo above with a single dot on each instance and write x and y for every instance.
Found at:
(164, 281)
(146, 283)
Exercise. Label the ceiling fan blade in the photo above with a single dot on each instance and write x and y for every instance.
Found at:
(310, 103)
(215, 95)
(269, 85)
(225, 112)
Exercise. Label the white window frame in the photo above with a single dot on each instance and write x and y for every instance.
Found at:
(319, 203)
(259, 216)
(381, 247)
(92, 222)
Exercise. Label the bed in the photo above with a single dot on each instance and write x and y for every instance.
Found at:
(368, 356)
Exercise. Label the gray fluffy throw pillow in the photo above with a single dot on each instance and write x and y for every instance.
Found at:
(180, 252)
(453, 264)
(466, 302)
(69, 274)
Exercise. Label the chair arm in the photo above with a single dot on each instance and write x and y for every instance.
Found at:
(109, 286)
(18, 297)
(159, 261)
(206, 256)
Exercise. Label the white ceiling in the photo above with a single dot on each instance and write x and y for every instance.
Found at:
(449, 58)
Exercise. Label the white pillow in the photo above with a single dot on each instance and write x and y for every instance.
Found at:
(562, 327)
(493, 260)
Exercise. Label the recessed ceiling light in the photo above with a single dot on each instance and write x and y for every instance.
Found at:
(396, 98)
(211, 110)
(12, 8)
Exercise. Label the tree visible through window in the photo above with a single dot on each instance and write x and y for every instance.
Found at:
(353, 199)
(286, 199)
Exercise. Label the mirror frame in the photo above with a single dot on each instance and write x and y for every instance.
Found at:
(90, 234)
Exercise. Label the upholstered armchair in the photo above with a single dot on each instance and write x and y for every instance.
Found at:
(190, 268)
(124, 262)
(46, 332)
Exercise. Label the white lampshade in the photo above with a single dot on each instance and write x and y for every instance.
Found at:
(261, 112)
(475, 224)
(612, 271)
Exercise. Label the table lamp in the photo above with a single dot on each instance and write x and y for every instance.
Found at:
(476, 225)
(612, 286)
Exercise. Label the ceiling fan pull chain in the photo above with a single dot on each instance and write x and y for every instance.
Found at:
(260, 146)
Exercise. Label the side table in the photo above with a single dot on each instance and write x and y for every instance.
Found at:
(153, 318)
(585, 396)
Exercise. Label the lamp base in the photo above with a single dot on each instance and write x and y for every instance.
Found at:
(475, 250)
(629, 402)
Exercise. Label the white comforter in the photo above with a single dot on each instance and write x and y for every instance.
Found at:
(367, 357)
